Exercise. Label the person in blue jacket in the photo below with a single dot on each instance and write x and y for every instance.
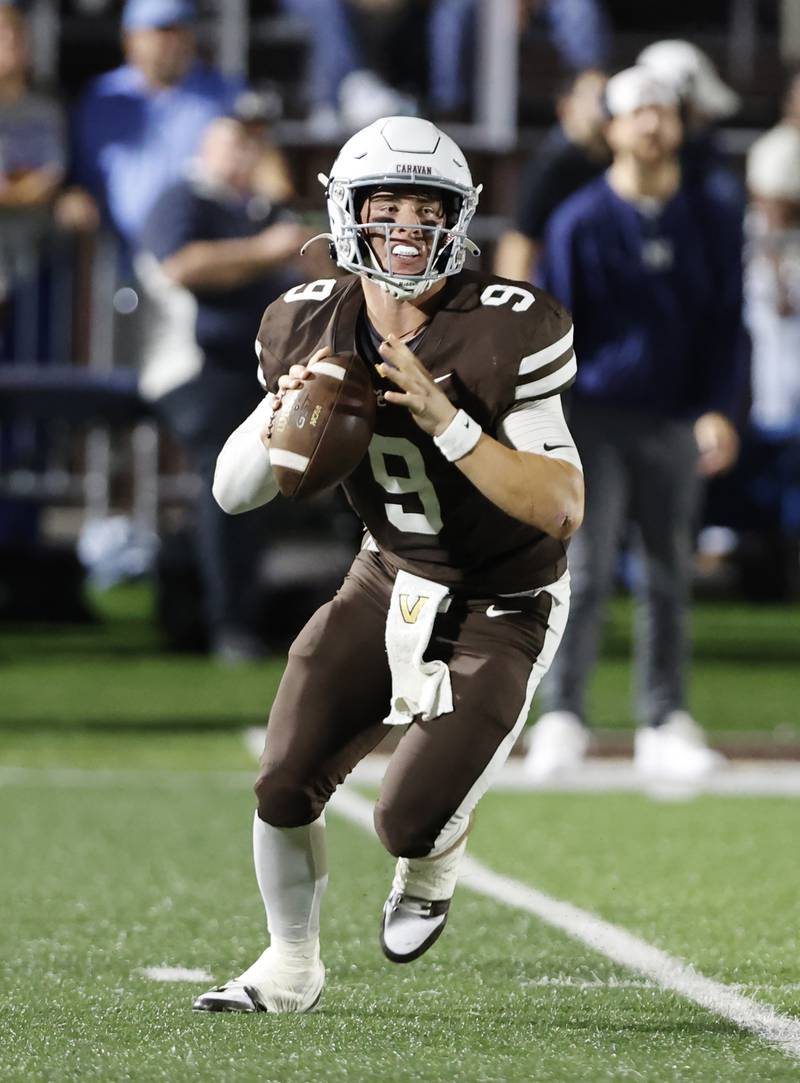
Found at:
(138, 126)
(650, 263)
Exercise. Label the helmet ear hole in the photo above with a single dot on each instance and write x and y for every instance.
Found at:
(452, 208)
(364, 248)
(443, 254)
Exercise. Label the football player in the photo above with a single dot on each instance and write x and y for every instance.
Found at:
(469, 492)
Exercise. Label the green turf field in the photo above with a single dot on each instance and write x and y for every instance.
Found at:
(125, 812)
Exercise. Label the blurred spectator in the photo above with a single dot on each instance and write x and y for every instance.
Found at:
(651, 268)
(773, 280)
(760, 499)
(32, 154)
(32, 150)
(214, 254)
(572, 154)
(257, 111)
(579, 29)
(705, 101)
(358, 73)
(32, 163)
(137, 126)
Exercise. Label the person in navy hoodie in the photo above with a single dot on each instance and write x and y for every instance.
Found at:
(650, 263)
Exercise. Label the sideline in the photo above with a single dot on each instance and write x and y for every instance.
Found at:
(757, 778)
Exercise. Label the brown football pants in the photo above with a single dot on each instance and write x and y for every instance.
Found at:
(335, 692)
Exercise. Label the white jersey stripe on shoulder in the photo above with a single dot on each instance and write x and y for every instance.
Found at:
(328, 369)
(550, 383)
(543, 357)
(261, 377)
(289, 459)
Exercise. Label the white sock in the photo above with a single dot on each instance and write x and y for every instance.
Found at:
(435, 875)
(292, 872)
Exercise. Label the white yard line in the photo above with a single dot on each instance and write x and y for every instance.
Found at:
(610, 940)
(174, 974)
(566, 982)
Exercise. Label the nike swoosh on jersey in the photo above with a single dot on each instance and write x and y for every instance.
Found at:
(554, 447)
(438, 379)
(492, 612)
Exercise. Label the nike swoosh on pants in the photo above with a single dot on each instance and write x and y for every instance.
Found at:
(492, 612)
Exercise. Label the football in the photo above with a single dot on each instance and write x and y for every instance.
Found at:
(322, 430)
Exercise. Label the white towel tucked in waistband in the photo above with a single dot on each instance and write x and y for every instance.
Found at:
(418, 688)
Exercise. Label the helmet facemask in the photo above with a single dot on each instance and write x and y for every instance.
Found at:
(448, 245)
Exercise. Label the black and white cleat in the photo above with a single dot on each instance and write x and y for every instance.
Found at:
(231, 997)
(265, 987)
(410, 926)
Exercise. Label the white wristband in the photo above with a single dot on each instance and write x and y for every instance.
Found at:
(459, 438)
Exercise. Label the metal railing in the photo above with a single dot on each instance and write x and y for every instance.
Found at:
(73, 429)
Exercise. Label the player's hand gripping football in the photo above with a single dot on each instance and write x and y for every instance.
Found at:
(290, 381)
(428, 404)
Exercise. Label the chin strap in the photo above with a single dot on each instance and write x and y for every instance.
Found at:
(405, 293)
(319, 237)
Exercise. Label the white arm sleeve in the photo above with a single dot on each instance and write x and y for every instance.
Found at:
(540, 427)
(243, 478)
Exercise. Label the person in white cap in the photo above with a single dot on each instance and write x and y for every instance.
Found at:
(773, 280)
(691, 73)
(760, 499)
(651, 268)
(705, 101)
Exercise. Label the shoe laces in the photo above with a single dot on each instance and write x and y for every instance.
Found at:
(412, 904)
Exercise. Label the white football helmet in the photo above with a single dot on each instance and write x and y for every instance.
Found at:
(394, 152)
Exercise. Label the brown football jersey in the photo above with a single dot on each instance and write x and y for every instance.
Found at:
(491, 345)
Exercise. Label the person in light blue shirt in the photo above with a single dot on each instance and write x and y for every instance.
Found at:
(138, 126)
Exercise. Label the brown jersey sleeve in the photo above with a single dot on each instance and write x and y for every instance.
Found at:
(295, 325)
(547, 364)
